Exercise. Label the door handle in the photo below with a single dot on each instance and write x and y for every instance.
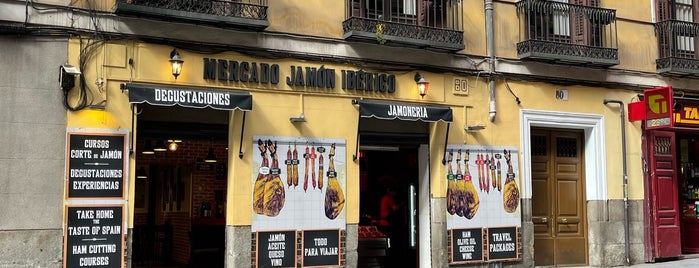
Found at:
(563, 220)
(544, 220)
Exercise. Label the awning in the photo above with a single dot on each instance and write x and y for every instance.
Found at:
(390, 110)
(191, 97)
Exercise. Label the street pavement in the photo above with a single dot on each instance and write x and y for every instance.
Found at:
(684, 262)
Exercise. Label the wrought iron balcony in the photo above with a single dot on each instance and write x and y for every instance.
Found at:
(677, 47)
(568, 34)
(423, 23)
(250, 14)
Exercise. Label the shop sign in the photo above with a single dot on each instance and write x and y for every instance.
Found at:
(321, 248)
(688, 115)
(94, 236)
(658, 107)
(317, 77)
(96, 165)
(276, 249)
(502, 243)
(467, 245)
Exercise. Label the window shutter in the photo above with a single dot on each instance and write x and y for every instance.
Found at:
(665, 10)
(580, 24)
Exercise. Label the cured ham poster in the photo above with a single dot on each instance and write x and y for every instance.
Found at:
(483, 203)
(298, 183)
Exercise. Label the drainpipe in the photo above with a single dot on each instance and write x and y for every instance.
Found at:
(625, 179)
(489, 36)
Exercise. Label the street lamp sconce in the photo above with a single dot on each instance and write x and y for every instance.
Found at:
(422, 84)
(176, 62)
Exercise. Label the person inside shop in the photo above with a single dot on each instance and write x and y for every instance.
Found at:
(389, 215)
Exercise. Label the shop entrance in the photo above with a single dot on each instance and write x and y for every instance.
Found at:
(390, 165)
(558, 197)
(180, 189)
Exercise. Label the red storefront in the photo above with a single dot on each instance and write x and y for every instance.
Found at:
(671, 176)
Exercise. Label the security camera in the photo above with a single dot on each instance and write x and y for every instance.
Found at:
(66, 76)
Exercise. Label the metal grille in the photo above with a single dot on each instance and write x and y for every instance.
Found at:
(539, 147)
(432, 23)
(443, 14)
(662, 145)
(566, 147)
(566, 31)
(253, 9)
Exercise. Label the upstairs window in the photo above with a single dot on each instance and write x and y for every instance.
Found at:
(430, 13)
(678, 36)
(565, 21)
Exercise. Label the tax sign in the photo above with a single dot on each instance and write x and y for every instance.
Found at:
(658, 107)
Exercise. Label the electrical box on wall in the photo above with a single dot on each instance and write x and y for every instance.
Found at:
(66, 77)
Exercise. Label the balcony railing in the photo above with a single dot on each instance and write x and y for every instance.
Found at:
(677, 47)
(422, 23)
(234, 13)
(566, 33)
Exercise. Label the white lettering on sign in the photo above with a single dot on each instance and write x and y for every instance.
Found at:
(105, 214)
(94, 261)
(409, 111)
(99, 144)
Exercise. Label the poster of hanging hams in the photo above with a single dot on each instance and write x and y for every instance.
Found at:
(298, 183)
(483, 186)
(483, 203)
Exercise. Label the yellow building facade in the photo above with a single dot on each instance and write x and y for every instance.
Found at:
(289, 120)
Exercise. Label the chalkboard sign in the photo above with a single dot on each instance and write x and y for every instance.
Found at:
(321, 248)
(502, 243)
(96, 165)
(94, 237)
(276, 249)
(467, 245)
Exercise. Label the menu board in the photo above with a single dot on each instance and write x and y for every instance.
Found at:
(96, 165)
(94, 236)
(467, 245)
(321, 248)
(276, 249)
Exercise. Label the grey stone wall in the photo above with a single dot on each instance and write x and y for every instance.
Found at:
(32, 151)
(238, 246)
(606, 236)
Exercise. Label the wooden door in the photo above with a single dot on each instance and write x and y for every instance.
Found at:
(558, 197)
(663, 194)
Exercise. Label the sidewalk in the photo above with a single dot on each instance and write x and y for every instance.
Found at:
(683, 262)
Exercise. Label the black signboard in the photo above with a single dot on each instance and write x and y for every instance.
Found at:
(94, 237)
(96, 165)
(502, 243)
(390, 110)
(321, 248)
(190, 97)
(276, 249)
(467, 245)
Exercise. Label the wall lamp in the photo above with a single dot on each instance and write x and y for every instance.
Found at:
(422, 84)
(176, 62)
